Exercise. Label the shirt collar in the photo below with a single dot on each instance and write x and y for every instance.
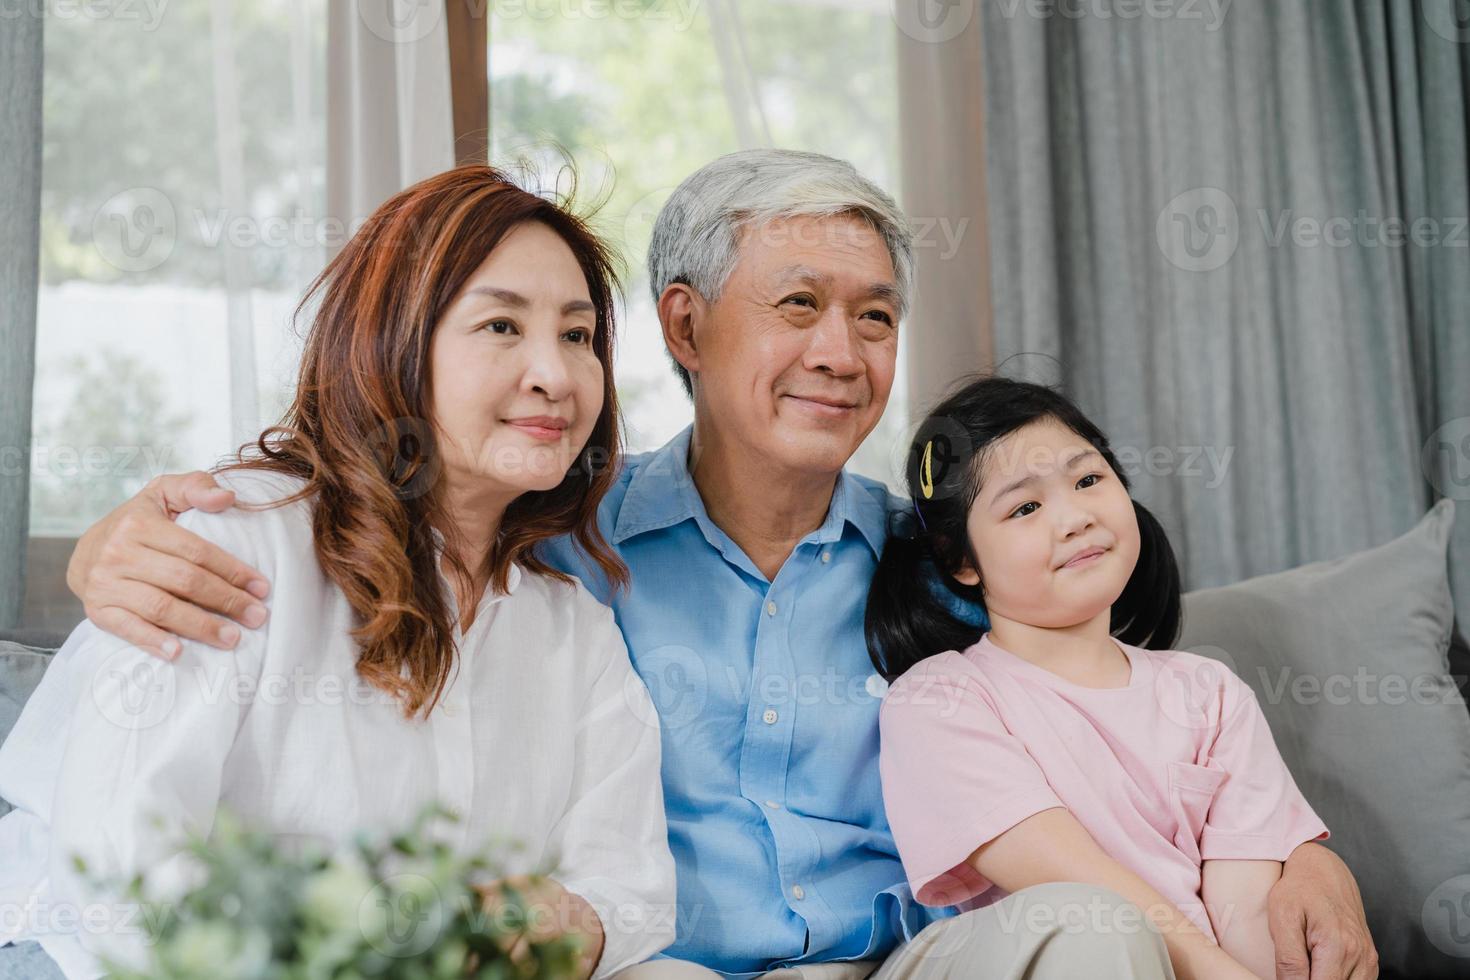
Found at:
(661, 494)
(512, 578)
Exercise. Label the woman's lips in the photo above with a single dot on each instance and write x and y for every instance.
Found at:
(538, 429)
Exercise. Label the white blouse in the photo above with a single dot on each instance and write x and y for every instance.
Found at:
(544, 735)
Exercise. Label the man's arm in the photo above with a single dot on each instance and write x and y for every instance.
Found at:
(1317, 921)
(148, 581)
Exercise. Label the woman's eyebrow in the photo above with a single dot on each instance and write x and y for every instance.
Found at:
(514, 299)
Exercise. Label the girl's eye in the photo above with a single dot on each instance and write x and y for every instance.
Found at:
(501, 327)
(1029, 503)
(1091, 476)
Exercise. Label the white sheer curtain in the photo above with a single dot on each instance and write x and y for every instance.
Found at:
(202, 162)
(389, 118)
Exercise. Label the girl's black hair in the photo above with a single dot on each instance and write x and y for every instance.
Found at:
(909, 616)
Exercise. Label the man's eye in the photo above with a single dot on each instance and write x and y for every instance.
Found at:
(803, 298)
(880, 315)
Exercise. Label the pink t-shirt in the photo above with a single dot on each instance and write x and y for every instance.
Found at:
(1176, 768)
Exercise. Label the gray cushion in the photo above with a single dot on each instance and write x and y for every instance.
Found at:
(1348, 659)
(21, 668)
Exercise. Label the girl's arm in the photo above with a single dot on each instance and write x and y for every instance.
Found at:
(1053, 846)
(1234, 894)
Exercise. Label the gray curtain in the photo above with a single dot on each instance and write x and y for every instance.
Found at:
(1237, 234)
(20, 224)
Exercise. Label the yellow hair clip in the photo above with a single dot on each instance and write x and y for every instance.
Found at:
(926, 471)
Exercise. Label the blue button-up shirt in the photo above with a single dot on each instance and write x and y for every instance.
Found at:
(768, 704)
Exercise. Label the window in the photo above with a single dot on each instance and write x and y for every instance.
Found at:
(184, 179)
(183, 165)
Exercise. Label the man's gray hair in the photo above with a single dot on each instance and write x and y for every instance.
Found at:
(696, 235)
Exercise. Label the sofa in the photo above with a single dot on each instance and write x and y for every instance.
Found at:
(1361, 673)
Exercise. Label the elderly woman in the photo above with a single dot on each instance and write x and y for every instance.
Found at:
(455, 408)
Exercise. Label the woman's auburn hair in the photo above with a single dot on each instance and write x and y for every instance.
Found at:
(360, 432)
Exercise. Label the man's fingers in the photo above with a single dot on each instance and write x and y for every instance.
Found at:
(242, 584)
(1288, 936)
(172, 615)
(179, 492)
(199, 586)
(148, 638)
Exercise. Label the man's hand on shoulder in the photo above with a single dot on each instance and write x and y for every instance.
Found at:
(143, 578)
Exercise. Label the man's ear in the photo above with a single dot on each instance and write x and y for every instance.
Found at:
(680, 309)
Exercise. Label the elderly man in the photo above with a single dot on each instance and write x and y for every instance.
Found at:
(781, 279)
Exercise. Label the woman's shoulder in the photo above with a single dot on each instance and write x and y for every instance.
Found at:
(563, 602)
(259, 529)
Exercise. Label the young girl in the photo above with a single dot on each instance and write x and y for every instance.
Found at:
(1065, 741)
